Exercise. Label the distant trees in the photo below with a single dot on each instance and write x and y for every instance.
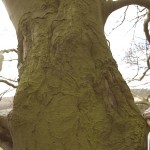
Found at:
(138, 55)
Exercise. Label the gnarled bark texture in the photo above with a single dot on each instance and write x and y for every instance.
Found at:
(71, 95)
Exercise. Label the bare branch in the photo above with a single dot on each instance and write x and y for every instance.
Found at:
(135, 57)
(111, 6)
(144, 73)
(8, 83)
(143, 102)
(148, 62)
(8, 51)
(3, 93)
(146, 31)
(141, 78)
(10, 60)
(139, 17)
(135, 74)
(8, 79)
(124, 17)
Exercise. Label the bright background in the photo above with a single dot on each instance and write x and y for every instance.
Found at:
(8, 40)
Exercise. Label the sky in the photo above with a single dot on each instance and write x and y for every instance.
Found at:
(8, 40)
(120, 40)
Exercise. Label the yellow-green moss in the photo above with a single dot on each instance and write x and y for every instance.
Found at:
(71, 95)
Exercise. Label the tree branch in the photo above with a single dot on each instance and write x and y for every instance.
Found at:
(8, 83)
(146, 31)
(124, 17)
(3, 93)
(143, 102)
(10, 60)
(8, 79)
(111, 6)
(8, 51)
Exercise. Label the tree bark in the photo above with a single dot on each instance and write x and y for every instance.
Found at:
(71, 95)
(5, 137)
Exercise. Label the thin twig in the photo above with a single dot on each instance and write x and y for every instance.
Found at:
(3, 93)
(8, 79)
(10, 60)
(124, 17)
(8, 51)
(8, 83)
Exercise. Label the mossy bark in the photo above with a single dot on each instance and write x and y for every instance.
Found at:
(71, 95)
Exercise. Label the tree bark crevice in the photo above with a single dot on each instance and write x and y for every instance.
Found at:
(70, 93)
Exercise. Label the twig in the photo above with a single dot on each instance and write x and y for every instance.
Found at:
(8, 83)
(124, 17)
(8, 51)
(10, 60)
(143, 102)
(8, 79)
(3, 93)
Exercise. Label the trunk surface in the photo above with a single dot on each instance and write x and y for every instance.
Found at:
(71, 95)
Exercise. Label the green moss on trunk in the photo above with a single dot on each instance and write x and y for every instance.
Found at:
(71, 95)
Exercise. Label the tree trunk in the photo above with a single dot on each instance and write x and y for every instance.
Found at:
(71, 95)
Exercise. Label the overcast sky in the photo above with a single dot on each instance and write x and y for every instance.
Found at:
(8, 40)
(120, 40)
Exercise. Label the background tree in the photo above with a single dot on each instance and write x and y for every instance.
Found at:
(70, 93)
(137, 54)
